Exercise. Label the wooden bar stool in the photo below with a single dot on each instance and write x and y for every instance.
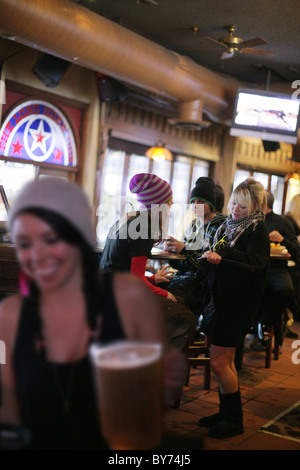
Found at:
(192, 351)
(196, 349)
(274, 344)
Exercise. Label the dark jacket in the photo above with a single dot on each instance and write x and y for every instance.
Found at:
(294, 223)
(237, 290)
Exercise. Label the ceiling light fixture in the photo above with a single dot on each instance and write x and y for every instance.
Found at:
(159, 153)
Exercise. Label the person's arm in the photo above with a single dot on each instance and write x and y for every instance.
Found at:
(287, 237)
(191, 263)
(142, 319)
(9, 315)
(194, 255)
(138, 268)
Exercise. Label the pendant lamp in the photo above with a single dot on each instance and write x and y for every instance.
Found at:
(159, 153)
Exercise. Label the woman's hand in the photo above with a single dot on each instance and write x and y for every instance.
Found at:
(275, 236)
(171, 297)
(164, 274)
(174, 245)
(212, 257)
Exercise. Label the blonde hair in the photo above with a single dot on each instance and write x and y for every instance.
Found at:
(251, 194)
(294, 208)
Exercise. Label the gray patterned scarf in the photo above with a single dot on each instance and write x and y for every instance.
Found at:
(231, 229)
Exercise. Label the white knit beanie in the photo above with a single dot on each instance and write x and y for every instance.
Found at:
(60, 196)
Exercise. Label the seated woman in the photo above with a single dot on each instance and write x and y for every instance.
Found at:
(64, 305)
(190, 280)
(235, 296)
(129, 243)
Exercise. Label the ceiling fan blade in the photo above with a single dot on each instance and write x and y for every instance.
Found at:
(249, 50)
(202, 48)
(251, 43)
(215, 41)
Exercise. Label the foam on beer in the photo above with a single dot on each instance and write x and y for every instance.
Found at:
(129, 355)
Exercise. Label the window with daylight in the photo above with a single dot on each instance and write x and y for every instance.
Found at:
(4, 207)
(181, 191)
(277, 189)
(273, 183)
(200, 168)
(13, 176)
(263, 178)
(240, 176)
(110, 204)
(121, 165)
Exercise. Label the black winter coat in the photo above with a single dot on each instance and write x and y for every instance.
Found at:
(236, 290)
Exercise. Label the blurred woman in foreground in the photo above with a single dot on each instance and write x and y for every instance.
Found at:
(64, 305)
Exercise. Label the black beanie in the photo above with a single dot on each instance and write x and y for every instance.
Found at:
(205, 190)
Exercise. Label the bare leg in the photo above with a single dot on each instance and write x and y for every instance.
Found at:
(228, 421)
(222, 364)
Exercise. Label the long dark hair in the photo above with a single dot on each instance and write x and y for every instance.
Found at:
(90, 266)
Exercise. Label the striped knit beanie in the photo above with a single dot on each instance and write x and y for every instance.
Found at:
(150, 189)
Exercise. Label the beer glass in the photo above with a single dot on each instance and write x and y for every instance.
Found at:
(128, 382)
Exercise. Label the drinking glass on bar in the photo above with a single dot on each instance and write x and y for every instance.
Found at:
(129, 386)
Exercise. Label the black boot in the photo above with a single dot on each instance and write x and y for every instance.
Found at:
(209, 421)
(232, 422)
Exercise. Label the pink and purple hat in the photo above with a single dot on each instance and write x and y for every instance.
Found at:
(150, 189)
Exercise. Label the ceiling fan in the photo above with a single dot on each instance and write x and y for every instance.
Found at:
(233, 44)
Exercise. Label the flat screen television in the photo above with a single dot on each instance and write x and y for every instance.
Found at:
(266, 115)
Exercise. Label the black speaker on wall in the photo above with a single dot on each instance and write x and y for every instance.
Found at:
(110, 90)
(270, 146)
(50, 69)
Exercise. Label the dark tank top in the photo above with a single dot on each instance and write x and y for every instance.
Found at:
(58, 403)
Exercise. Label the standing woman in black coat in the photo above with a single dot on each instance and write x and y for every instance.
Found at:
(236, 293)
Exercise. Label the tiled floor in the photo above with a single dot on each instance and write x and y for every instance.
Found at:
(279, 389)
